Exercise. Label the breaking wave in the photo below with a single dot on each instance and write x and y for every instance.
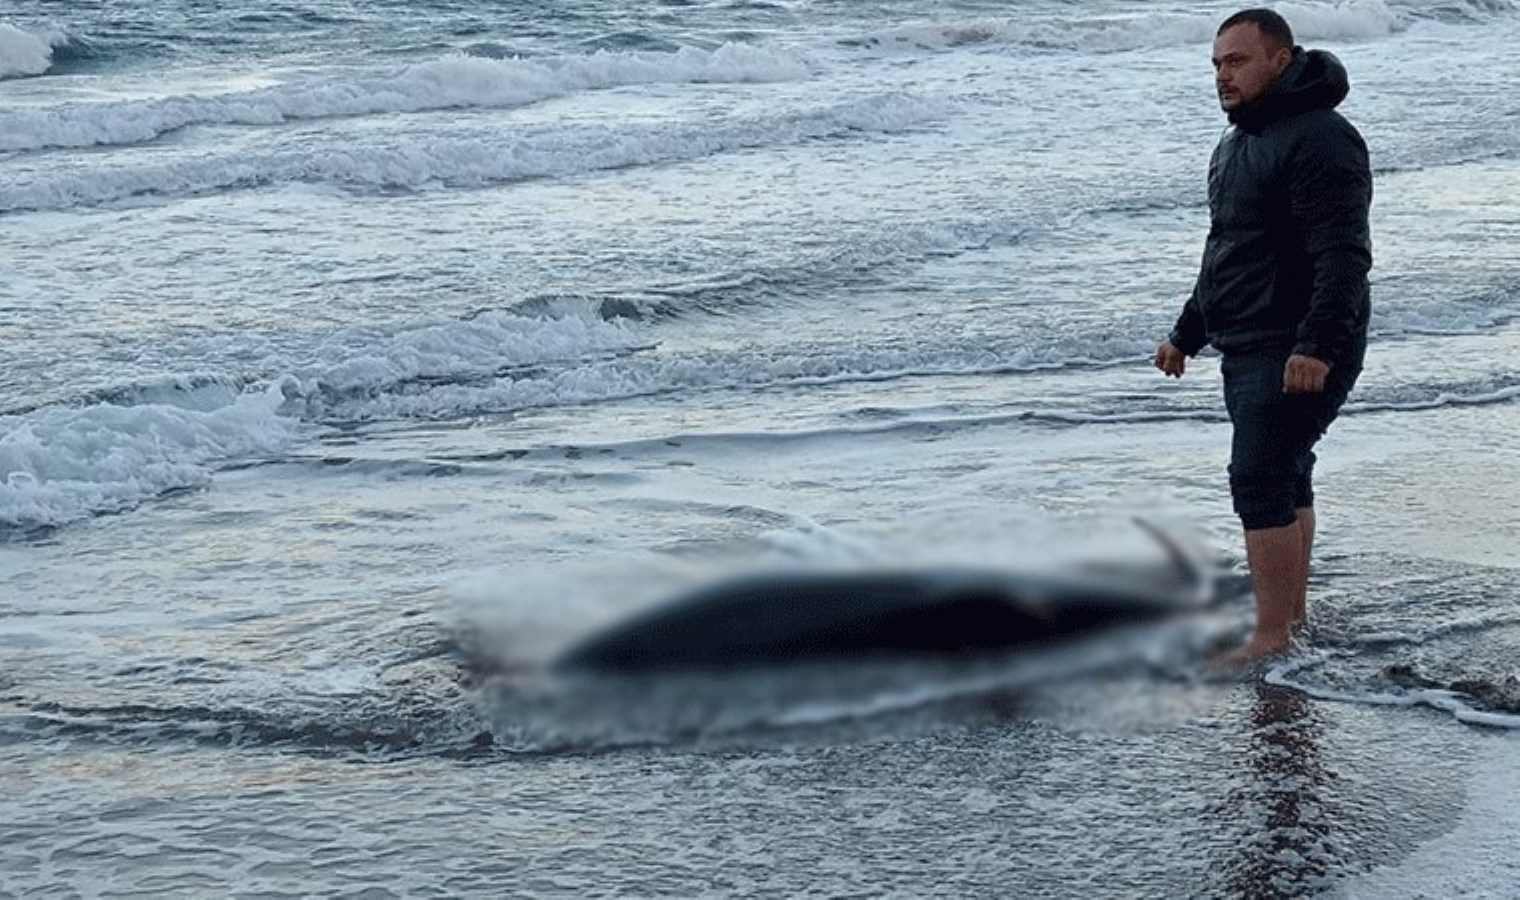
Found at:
(1355, 20)
(418, 164)
(457, 82)
(26, 52)
(117, 449)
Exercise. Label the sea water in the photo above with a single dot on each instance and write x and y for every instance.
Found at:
(358, 355)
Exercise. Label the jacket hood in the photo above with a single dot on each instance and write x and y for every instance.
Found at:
(1315, 79)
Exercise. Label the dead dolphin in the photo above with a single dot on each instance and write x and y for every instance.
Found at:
(785, 617)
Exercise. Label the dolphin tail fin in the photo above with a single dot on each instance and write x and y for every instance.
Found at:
(1198, 576)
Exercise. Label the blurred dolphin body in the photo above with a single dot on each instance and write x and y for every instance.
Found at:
(788, 617)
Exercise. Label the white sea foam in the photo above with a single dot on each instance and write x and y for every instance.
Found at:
(1475, 857)
(411, 164)
(1353, 20)
(1480, 312)
(449, 83)
(59, 464)
(1456, 704)
(62, 464)
(26, 52)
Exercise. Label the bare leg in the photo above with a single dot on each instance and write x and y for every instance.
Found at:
(1306, 536)
(1276, 556)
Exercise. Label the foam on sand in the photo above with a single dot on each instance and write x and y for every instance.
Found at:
(1457, 704)
(1476, 858)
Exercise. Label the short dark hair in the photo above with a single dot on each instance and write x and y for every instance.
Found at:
(1272, 25)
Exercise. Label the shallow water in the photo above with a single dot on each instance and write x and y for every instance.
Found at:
(357, 360)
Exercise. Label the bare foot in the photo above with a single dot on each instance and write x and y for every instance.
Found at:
(1253, 651)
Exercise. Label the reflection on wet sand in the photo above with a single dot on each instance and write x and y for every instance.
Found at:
(1284, 805)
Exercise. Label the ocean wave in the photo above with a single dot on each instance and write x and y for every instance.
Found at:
(484, 348)
(118, 448)
(873, 258)
(908, 424)
(108, 453)
(629, 376)
(1353, 20)
(1481, 312)
(1425, 397)
(457, 82)
(1458, 10)
(629, 40)
(26, 52)
(203, 392)
(1368, 400)
(112, 450)
(64, 464)
(418, 164)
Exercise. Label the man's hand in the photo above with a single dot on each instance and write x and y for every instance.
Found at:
(1170, 360)
(1304, 375)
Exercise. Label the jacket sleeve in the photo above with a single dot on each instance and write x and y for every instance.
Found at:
(1188, 334)
(1330, 194)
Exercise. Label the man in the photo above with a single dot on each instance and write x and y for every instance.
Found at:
(1282, 294)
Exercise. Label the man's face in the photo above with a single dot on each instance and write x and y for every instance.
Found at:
(1245, 65)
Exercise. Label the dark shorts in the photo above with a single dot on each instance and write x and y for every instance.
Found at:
(1272, 451)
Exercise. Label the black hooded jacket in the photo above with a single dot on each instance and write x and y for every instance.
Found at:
(1286, 261)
